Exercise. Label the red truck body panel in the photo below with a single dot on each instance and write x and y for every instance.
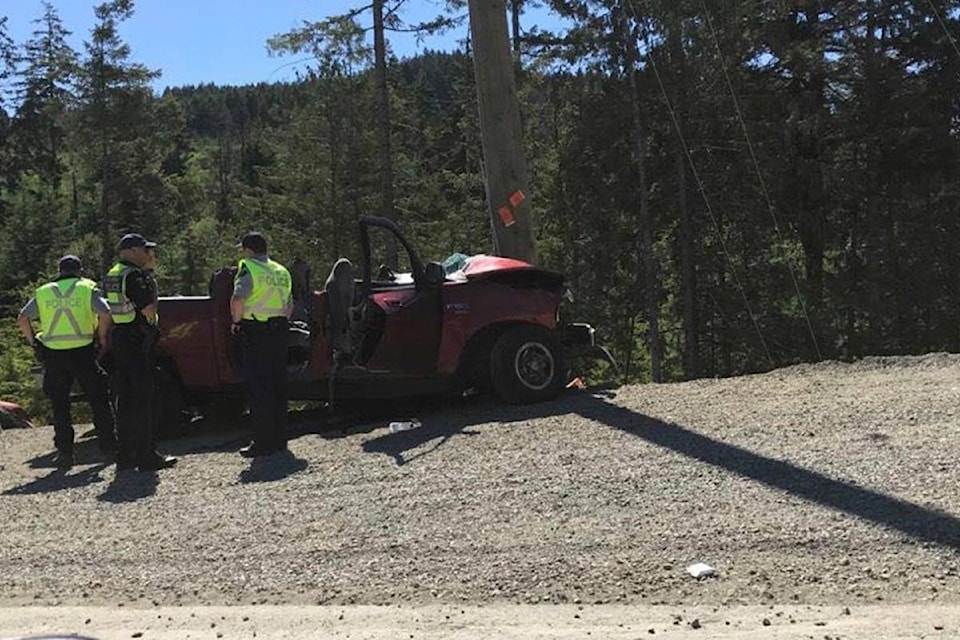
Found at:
(415, 329)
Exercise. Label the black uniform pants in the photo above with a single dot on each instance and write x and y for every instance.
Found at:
(264, 369)
(134, 360)
(61, 368)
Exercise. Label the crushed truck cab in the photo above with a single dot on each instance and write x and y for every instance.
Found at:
(482, 322)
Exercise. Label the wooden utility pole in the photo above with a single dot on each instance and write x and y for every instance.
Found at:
(383, 129)
(505, 166)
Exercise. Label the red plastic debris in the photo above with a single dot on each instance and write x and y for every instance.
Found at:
(12, 416)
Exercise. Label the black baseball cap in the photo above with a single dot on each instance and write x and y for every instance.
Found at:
(69, 264)
(254, 241)
(132, 240)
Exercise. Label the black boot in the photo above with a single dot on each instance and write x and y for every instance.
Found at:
(156, 462)
(63, 459)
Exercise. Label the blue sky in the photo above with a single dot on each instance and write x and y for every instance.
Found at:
(221, 41)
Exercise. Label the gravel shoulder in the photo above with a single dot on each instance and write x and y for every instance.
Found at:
(812, 486)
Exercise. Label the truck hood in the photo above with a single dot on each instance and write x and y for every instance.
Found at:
(484, 267)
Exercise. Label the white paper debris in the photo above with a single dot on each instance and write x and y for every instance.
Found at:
(701, 570)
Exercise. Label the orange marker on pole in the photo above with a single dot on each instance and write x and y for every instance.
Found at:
(506, 215)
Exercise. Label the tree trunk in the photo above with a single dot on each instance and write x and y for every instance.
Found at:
(106, 235)
(223, 175)
(812, 214)
(387, 209)
(877, 226)
(651, 285)
(516, 7)
(688, 274)
(74, 197)
(334, 205)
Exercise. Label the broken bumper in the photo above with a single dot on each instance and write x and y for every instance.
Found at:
(579, 341)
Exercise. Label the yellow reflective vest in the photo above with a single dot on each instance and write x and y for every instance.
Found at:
(67, 318)
(122, 309)
(271, 289)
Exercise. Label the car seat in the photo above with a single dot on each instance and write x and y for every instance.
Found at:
(339, 288)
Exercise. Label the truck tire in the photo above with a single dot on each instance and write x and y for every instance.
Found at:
(527, 364)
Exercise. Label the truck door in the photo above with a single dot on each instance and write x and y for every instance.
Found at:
(411, 330)
(403, 303)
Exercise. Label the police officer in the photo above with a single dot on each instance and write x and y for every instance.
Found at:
(260, 308)
(71, 314)
(132, 294)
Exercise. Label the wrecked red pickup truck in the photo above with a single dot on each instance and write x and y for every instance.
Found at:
(479, 322)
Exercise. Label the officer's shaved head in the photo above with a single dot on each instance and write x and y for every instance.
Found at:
(70, 264)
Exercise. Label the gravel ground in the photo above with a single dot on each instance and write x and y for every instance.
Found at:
(811, 485)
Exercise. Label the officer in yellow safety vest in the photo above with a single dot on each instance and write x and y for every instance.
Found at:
(132, 294)
(72, 316)
(260, 308)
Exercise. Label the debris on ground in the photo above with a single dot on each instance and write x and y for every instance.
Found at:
(12, 416)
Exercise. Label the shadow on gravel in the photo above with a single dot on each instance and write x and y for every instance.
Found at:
(438, 417)
(355, 416)
(918, 522)
(58, 480)
(214, 442)
(397, 444)
(911, 519)
(272, 468)
(130, 486)
(85, 451)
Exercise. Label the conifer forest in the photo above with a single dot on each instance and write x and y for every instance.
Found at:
(729, 187)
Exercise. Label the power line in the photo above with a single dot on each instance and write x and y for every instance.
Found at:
(943, 25)
(703, 193)
(763, 184)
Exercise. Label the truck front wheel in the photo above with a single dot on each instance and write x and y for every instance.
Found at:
(527, 364)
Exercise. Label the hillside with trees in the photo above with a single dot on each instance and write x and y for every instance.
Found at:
(728, 187)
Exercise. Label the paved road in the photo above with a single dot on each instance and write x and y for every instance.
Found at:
(523, 622)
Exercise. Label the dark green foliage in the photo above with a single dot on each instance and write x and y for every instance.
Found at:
(802, 161)
(17, 383)
(43, 93)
